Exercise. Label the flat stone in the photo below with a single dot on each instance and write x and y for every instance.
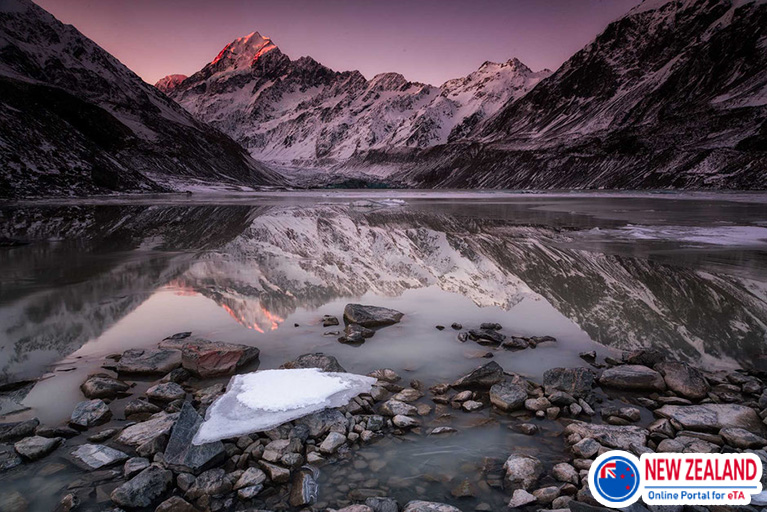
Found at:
(90, 413)
(103, 386)
(158, 425)
(613, 436)
(683, 379)
(428, 506)
(36, 447)
(507, 396)
(134, 466)
(742, 438)
(574, 381)
(149, 361)
(17, 430)
(143, 489)
(97, 456)
(633, 377)
(208, 359)
(183, 456)
(135, 407)
(370, 316)
(481, 377)
(522, 471)
(713, 417)
(318, 360)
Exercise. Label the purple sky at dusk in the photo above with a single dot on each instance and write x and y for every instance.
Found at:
(425, 40)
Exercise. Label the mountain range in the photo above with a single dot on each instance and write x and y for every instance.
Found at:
(671, 95)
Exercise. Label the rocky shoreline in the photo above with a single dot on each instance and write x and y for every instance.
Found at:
(139, 455)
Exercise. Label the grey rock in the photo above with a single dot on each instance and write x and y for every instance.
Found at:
(166, 392)
(102, 435)
(17, 430)
(481, 377)
(143, 489)
(358, 330)
(97, 456)
(329, 320)
(183, 456)
(134, 466)
(586, 448)
(564, 472)
(370, 316)
(304, 490)
(277, 474)
(742, 438)
(207, 359)
(385, 374)
(90, 413)
(574, 381)
(402, 421)
(428, 506)
(9, 459)
(149, 361)
(395, 408)
(713, 417)
(212, 482)
(486, 336)
(546, 495)
(520, 498)
(248, 493)
(103, 386)
(382, 504)
(36, 447)
(471, 405)
(332, 443)
(507, 396)
(633, 377)
(522, 471)
(683, 379)
(175, 504)
(318, 360)
(376, 423)
(322, 422)
(158, 425)
(135, 407)
(612, 436)
(249, 478)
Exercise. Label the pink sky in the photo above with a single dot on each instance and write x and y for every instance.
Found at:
(426, 40)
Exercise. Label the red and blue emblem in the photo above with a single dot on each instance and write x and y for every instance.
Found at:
(616, 479)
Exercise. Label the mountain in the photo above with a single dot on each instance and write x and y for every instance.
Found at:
(74, 120)
(301, 113)
(673, 94)
(170, 82)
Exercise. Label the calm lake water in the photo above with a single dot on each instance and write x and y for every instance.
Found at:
(607, 272)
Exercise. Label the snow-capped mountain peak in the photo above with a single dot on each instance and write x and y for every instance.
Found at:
(243, 52)
(169, 82)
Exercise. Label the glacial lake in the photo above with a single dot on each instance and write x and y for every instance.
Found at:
(83, 280)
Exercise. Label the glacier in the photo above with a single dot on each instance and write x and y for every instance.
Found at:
(266, 399)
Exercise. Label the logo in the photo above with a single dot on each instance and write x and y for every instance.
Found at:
(618, 479)
(614, 479)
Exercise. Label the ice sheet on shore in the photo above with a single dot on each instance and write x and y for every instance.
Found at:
(262, 400)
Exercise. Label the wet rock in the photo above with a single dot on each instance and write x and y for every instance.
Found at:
(631, 414)
(507, 396)
(183, 456)
(537, 404)
(589, 356)
(248, 493)
(395, 408)
(471, 405)
(322, 422)
(528, 429)
(9, 459)
(149, 361)
(178, 376)
(158, 425)
(491, 326)
(317, 360)
(370, 316)
(178, 336)
(356, 508)
(357, 331)
(101, 436)
(403, 422)
(103, 386)
(520, 498)
(633, 377)
(89, 414)
(249, 478)
(143, 489)
(408, 395)
(304, 490)
(516, 343)
(17, 430)
(546, 495)
(96, 456)
(463, 396)
(619, 437)
(522, 471)
(465, 489)
(385, 374)
(135, 407)
(486, 337)
(382, 504)
(564, 472)
(742, 438)
(586, 448)
(428, 506)
(62, 431)
(574, 381)
(482, 377)
(175, 504)
(36, 447)
(134, 466)
(277, 474)
(212, 482)
(329, 320)
(713, 417)
(442, 430)
(683, 379)
(332, 443)
(166, 392)
(645, 357)
(208, 359)
(13, 501)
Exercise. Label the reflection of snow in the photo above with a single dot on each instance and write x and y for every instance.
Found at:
(725, 235)
(259, 401)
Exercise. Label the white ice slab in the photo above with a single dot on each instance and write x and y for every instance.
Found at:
(260, 401)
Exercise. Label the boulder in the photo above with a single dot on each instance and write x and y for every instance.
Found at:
(370, 316)
(507, 396)
(481, 377)
(317, 360)
(633, 377)
(184, 457)
(158, 425)
(713, 417)
(103, 386)
(208, 359)
(89, 414)
(97, 456)
(149, 361)
(684, 380)
(614, 436)
(36, 447)
(428, 506)
(577, 382)
(522, 471)
(143, 489)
